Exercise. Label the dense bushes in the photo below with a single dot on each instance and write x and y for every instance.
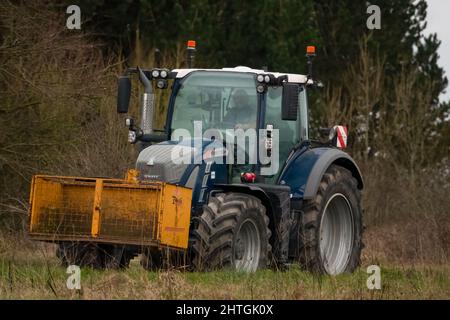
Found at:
(56, 103)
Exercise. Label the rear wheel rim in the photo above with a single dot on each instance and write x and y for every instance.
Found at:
(247, 247)
(336, 234)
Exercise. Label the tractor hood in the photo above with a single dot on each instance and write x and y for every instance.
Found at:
(168, 161)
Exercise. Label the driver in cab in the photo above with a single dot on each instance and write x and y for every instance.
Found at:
(243, 113)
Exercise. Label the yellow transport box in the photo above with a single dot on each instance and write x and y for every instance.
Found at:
(109, 211)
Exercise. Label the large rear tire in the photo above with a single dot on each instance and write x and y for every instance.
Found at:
(331, 225)
(232, 232)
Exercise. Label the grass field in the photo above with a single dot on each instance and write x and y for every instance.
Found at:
(33, 272)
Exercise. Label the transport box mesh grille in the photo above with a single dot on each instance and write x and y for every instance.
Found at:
(66, 207)
(135, 220)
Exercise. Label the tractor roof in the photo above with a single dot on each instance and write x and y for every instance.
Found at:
(295, 78)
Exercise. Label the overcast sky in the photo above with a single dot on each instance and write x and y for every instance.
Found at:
(438, 21)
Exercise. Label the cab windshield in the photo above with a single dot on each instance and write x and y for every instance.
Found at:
(219, 100)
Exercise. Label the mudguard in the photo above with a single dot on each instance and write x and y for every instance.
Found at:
(305, 170)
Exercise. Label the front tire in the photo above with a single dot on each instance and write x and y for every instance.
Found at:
(232, 232)
(330, 228)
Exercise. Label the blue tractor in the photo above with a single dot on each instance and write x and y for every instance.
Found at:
(288, 200)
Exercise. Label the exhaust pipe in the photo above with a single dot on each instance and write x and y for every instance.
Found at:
(148, 104)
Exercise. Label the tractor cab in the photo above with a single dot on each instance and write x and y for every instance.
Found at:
(242, 110)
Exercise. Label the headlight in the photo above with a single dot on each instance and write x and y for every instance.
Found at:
(260, 78)
(260, 88)
(132, 136)
(129, 122)
(266, 79)
(163, 74)
(161, 84)
(155, 73)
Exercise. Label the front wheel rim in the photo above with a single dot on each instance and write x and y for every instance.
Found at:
(336, 234)
(247, 247)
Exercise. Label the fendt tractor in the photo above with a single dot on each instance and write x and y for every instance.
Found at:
(199, 200)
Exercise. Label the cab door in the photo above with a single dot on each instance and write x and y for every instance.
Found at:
(290, 133)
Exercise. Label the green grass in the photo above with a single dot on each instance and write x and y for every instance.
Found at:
(35, 277)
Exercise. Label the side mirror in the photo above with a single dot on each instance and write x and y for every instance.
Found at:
(123, 94)
(289, 101)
